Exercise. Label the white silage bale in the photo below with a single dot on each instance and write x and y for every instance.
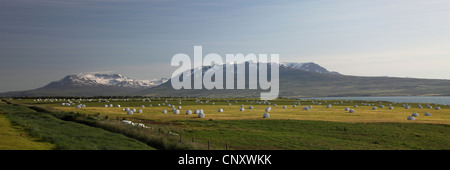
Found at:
(201, 115)
(130, 112)
(188, 112)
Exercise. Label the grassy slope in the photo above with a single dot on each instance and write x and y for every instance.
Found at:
(68, 135)
(16, 138)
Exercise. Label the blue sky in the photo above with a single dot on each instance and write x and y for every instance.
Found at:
(44, 40)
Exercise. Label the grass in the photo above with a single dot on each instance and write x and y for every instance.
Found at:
(363, 114)
(292, 128)
(319, 135)
(16, 138)
(66, 135)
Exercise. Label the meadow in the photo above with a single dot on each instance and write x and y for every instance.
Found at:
(289, 128)
(45, 132)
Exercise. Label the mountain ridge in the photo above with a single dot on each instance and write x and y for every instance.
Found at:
(296, 80)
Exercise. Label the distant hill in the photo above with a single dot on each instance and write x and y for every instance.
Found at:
(317, 82)
(296, 80)
(90, 85)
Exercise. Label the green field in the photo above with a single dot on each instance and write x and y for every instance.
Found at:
(287, 129)
(48, 132)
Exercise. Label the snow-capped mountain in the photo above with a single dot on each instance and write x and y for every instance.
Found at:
(310, 67)
(95, 79)
(115, 80)
(91, 84)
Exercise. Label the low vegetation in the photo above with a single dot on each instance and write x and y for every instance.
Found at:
(289, 128)
(67, 135)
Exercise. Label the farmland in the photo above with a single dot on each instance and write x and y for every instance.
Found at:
(289, 128)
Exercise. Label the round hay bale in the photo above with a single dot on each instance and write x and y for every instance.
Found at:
(130, 112)
(268, 109)
(179, 107)
(106, 105)
(176, 112)
(201, 115)
(142, 106)
(127, 109)
(391, 107)
(410, 118)
(242, 109)
(381, 106)
(250, 107)
(284, 107)
(306, 108)
(78, 107)
(229, 104)
(420, 106)
(351, 111)
(310, 106)
(438, 108)
(164, 111)
(329, 106)
(347, 109)
(111, 105)
(196, 111)
(133, 109)
(355, 106)
(188, 112)
(118, 105)
(200, 111)
(242, 105)
(140, 111)
(220, 110)
(415, 114)
(266, 115)
(374, 108)
(427, 114)
(294, 105)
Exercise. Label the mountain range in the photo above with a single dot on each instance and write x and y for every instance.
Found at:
(296, 80)
(90, 84)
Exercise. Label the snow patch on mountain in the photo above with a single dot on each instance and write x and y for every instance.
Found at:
(95, 79)
(310, 67)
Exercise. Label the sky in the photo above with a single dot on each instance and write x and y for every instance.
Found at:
(44, 40)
